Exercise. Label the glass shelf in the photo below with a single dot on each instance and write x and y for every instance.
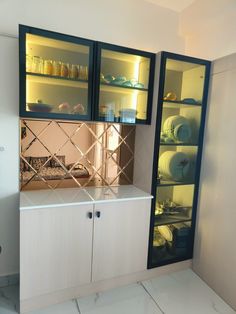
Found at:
(56, 80)
(161, 220)
(178, 104)
(120, 88)
(178, 144)
(172, 183)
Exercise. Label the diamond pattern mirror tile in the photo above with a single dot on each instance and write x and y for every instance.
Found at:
(56, 154)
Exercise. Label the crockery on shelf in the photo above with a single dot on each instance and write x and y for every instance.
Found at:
(39, 106)
(64, 107)
(174, 165)
(177, 128)
(139, 85)
(190, 101)
(109, 78)
(170, 96)
(56, 68)
(64, 70)
(79, 109)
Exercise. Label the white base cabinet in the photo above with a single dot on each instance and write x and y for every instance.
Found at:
(69, 246)
(120, 244)
(55, 249)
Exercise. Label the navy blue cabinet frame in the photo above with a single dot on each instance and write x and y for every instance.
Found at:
(99, 47)
(93, 75)
(23, 30)
(155, 182)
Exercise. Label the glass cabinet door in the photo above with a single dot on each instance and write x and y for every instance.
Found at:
(125, 84)
(179, 135)
(56, 75)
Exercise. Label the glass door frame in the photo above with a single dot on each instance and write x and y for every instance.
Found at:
(176, 57)
(23, 31)
(99, 47)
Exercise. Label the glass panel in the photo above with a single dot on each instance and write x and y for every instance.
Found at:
(184, 81)
(177, 164)
(56, 76)
(173, 204)
(124, 82)
(171, 241)
(183, 92)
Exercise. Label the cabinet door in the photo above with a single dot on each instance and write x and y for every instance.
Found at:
(55, 249)
(120, 238)
(124, 84)
(55, 75)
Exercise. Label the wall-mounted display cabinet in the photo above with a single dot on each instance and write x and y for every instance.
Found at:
(182, 100)
(65, 77)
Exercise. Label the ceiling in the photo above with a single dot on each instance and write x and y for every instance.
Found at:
(176, 5)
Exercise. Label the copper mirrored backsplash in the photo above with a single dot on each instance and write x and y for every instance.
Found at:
(56, 154)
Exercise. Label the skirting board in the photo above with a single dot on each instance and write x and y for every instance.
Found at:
(75, 292)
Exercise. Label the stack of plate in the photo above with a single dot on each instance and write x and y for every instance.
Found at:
(177, 128)
(174, 165)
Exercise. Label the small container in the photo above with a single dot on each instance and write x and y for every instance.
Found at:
(73, 71)
(56, 68)
(29, 63)
(83, 72)
(47, 68)
(64, 70)
(37, 65)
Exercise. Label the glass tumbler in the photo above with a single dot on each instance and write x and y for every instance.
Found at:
(83, 72)
(37, 65)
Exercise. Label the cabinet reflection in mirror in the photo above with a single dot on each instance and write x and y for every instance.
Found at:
(56, 154)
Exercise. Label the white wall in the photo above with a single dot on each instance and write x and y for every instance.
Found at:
(133, 23)
(209, 28)
(9, 165)
(215, 249)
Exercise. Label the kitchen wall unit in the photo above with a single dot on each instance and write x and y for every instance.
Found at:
(182, 99)
(65, 77)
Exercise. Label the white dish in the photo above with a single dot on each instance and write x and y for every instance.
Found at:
(178, 128)
(174, 165)
(166, 233)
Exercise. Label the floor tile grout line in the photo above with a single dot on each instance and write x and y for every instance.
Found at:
(77, 305)
(146, 290)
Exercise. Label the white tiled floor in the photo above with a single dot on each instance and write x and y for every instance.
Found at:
(178, 293)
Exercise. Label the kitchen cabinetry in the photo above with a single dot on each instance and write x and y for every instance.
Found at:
(125, 84)
(65, 77)
(55, 249)
(56, 75)
(182, 101)
(120, 243)
(67, 246)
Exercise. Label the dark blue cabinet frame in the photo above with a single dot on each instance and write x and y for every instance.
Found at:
(93, 76)
(164, 56)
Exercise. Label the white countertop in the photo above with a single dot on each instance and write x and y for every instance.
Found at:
(88, 195)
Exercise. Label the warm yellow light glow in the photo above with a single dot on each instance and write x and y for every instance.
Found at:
(134, 99)
(136, 68)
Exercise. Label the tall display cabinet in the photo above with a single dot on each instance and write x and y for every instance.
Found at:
(182, 100)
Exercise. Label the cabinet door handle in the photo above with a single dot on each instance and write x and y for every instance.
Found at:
(90, 215)
(98, 214)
